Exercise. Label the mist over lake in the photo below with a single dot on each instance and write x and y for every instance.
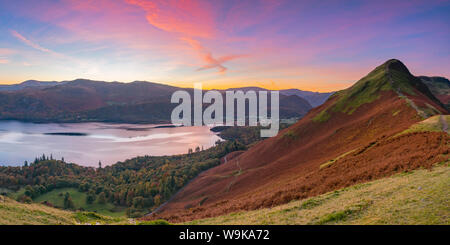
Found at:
(88, 143)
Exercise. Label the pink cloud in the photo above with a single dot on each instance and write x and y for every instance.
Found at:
(6, 51)
(208, 58)
(189, 17)
(29, 42)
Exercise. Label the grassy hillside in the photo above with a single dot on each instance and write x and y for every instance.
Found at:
(346, 141)
(432, 124)
(418, 197)
(392, 75)
(56, 197)
(16, 213)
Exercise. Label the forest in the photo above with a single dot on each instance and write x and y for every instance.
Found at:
(139, 184)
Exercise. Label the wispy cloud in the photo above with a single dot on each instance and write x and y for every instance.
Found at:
(4, 60)
(4, 53)
(30, 43)
(208, 58)
(190, 19)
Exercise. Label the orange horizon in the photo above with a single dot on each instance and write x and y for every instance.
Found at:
(211, 87)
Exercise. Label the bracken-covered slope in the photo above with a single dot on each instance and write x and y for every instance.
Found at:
(352, 138)
(419, 197)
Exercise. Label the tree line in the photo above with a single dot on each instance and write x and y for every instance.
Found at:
(140, 184)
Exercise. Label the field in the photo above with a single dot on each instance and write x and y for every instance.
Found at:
(418, 197)
(56, 197)
(16, 213)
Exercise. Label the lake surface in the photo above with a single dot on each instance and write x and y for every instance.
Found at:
(88, 143)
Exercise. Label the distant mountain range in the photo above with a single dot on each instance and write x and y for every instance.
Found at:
(314, 98)
(369, 131)
(84, 100)
(28, 84)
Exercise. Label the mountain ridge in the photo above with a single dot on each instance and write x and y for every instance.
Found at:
(83, 100)
(313, 98)
(354, 129)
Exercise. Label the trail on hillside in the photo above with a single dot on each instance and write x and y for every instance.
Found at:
(401, 95)
(235, 176)
(444, 123)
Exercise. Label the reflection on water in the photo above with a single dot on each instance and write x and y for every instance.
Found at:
(88, 143)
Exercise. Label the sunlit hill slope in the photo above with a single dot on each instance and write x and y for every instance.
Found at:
(354, 137)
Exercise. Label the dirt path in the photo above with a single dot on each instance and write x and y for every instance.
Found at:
(401, 95)
(235, 176)
(444, 123)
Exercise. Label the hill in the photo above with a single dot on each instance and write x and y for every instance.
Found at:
(16, 213)
(440, 87)
(347, 140)
(28, 84)
(419, 197)
(84, 100)
(314, 98)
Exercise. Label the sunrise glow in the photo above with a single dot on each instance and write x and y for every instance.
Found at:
(310, 45)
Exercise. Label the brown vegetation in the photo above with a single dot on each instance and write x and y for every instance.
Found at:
(282, 169)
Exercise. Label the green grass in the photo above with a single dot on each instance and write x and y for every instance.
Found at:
(95, 218)
(401, 82)
(328, 163)
(16, 213)
(154, 222)
(290, 134)
(56, 197)
(15, 195)
(366, 90)
(395, 113)
(322, 116)
(417, 197)
(432, 124)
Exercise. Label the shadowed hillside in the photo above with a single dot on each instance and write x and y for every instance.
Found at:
(314, 98)
(95, 101)
(440, 87)
(350, 139)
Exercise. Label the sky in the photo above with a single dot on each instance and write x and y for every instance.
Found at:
(310, 45)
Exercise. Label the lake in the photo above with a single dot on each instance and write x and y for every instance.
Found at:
(88, 143)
